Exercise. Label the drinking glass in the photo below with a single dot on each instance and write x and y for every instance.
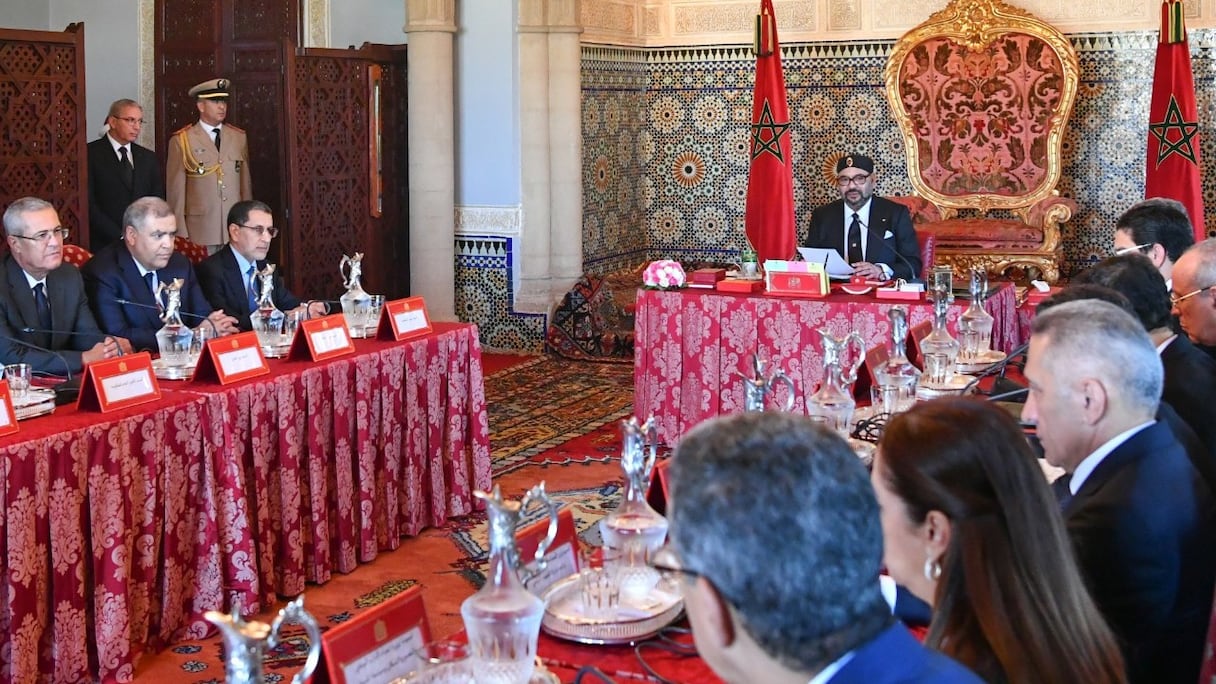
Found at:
(198, 342)
(884, 398)
(442, 662)
(18, 375)
(937, 369)
(375, 305)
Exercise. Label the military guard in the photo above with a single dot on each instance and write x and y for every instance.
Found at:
(208, 168)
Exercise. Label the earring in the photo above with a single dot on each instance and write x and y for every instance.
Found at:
(933, 569)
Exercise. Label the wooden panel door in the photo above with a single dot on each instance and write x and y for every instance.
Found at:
(43, 127)
(346, 151)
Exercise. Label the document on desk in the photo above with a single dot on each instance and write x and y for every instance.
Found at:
(832, 262)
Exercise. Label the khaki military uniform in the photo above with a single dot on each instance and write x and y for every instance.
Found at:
(202, 183)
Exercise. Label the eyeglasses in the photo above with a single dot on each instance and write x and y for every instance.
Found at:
(45, 236)
(1133, 248)
(1175, 300)
(664, 560)
(131, 120)
(858, 180)
(262, 230)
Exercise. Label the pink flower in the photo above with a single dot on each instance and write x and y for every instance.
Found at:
(664, 273)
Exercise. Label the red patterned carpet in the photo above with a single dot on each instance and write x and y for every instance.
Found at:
(550, 419)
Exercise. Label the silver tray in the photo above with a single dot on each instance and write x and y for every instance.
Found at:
(956, 385)
(277, 351)
(987, 359)
(163, 372)
(625, 631)
(38, 401)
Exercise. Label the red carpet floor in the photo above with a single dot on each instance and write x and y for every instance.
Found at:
(550, 420)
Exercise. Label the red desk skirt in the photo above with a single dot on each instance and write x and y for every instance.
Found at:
(120, 530)
(690, 344)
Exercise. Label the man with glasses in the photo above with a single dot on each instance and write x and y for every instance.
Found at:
(207, 170)
(873, 234)
(229, 278)
(1158, 228)
(42, 299)
(120, 171)
(124, 280)
(775, 532)
(1194, 295)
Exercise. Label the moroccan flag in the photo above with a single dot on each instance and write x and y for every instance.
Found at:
(770, 183)
(1173, 122)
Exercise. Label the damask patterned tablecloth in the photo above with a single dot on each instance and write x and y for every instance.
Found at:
(120, 531)
(690, 344)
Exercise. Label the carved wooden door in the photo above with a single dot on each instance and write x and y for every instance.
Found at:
(346, 151)
(43, 128)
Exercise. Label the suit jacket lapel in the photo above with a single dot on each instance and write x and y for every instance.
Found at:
(234, 279)
(138, 287)
(1149, 440)
(23, 296)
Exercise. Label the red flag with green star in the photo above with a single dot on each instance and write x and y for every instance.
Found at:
(770, 182)
(1173, 122)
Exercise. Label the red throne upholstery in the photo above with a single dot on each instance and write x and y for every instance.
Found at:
(192, 250)
(982, 92)
(76, 255)
(928, 253)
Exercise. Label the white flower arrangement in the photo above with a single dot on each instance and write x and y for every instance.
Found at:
(664, 274)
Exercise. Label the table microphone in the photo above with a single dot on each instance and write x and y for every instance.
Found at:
(74, 333)
(997, 367)
(215, 332)
(65, 392)
(911, 268)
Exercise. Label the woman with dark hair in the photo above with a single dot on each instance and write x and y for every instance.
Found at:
(971, 527)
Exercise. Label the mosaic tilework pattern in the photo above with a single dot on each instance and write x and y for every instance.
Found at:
(665, 140)
(485, 295)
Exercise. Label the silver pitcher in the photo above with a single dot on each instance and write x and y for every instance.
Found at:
(757, 388)
(245, 643)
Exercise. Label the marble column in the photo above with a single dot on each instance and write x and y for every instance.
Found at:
(431, 27)
(550, 151)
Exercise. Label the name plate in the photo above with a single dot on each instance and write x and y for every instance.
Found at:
(8, 416)
(659, 490)
(118, 383)
(561, 560)
(232, 358)
(322, 338)
(403, 319)
(380, 644)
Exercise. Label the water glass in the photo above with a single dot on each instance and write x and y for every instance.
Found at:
(442, 662)
(969, 345)
(291, 323)
(198, 342)
(18, 375)
(938, 369)
(884, 398)
(375, 305)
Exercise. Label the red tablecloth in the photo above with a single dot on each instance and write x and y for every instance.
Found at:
(689, 344)
(120, 530)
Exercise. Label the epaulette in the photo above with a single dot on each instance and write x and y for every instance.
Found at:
(235, 128)
(183, 129)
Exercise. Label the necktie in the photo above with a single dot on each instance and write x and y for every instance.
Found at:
(150, 279)
(43, 306)
(217, 139)
(1060, 488)
(128, 171)
(252, 285)
(855, 254)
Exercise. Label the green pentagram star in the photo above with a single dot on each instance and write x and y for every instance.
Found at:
(1173, 120)
(775, 131)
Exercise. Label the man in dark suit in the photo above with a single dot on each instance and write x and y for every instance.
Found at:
(812, 608)
(133, 270)
(228, 277)
(120, 172)
(1189, 384)
(873, 234)
(1140, 518)
(43, 294)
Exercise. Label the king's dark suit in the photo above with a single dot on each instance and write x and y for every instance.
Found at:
(112, 275)
(109, 192)
(894, 657)
(886, 217)
(224, 286)
(1142, 525)
(69, 314)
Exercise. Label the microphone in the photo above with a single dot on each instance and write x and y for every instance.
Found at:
(66, 392)
(44, 331)
(916, 275)
(1008, 395)
(215, 332)
(997, 368)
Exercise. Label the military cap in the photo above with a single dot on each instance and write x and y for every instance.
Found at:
(215, 89)
(856, 161)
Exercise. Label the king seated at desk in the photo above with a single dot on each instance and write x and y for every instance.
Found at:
(874, 235)
(123, 280)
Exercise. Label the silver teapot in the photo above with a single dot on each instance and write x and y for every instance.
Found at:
(245, 643)
(757, 388)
